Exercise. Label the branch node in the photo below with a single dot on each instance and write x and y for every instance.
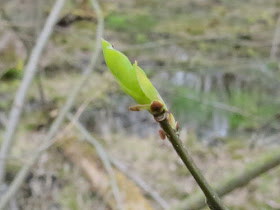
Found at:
(162, 116)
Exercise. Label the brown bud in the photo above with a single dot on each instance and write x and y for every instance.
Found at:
(156, 107)
(177, 126)
(162, 134)
(134, 108)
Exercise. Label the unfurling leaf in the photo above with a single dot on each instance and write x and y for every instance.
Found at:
(134, 81)
(131, 78)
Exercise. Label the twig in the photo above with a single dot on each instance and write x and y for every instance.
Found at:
(227, 39)
(30, 71)
(48, 140)
(213, 200)
(275, 41)
(13, 204)
(164, 42)
(219, 105)
(39, 80)
(67, 128)
(266, 163)
(140, 182)
(40, 86)
(60, 134)
(3, 120)
(104, 158)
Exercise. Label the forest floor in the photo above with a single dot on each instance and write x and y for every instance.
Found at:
(227, 42)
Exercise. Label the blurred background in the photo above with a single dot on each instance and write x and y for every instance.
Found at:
(216, 63)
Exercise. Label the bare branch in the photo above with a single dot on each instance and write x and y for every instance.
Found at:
(275, 41)
(30, 71)
(49, 139)
(219, 105)
(212, 198)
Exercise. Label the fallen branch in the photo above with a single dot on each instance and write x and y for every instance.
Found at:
(49, 139)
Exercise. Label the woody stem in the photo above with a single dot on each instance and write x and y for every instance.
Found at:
(213, 200)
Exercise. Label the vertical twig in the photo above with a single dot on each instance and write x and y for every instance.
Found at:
(39, 80)
(275, 41)
(48, 140)
(30, 71)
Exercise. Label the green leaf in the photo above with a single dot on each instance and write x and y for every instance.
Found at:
(146, 85)
(119, 65)
(131, 78)
(123, 71)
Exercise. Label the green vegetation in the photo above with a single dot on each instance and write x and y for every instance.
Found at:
(130, 23)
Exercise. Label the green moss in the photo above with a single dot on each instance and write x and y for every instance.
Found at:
(191, 24)
(141, 38)
(5, 104)
(130, 23)
(195, 26)
(85, 26)
(12, 73)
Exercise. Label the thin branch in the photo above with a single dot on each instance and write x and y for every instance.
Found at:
(251, 171)
(48, 140)
(227, 39)
(39, 80)
(140, 182)
(105, 160)
(13, 203)
(3, 120)
(219, 105)
(30, 71)
(165, 42)
(275, 41)
(213, 200)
